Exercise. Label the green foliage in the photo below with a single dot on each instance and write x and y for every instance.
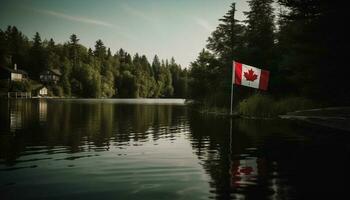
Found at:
(94, 72)
(264, 106)
(302, 58)
(100, 50)
(257, 106)
(315, 61)
(179, 79)
(206, 79)
(259, 35)
(65, 83)
(4, 86)
(37, 56)
(107, 85)
(14, 47)
(20, 86)
(57, 91)
(127, 85)
(91, 81)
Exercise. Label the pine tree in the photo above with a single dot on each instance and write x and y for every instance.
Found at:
(13, 48)
(314, 59)
(260, 33)
(156, 67)
(37, 56)
(227, 40)
(226, 43)
(74, 50)
(100, 50)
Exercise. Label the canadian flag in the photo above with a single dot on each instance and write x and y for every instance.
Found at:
(250, 76)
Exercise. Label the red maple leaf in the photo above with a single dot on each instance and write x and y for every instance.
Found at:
(250, 76)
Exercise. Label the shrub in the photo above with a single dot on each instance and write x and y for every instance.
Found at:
(21, 86)
(263, 106)
(57, 91)
(257, 106)
(4, 85)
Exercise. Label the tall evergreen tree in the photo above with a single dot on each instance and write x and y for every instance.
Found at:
(260, 33)
(52, 58)
(100, 50)
(227, 39)
(37, 56)
(14, 48)
(156, 67)
(74, 50)
(205, 77)
(314, 60)
(226, 42)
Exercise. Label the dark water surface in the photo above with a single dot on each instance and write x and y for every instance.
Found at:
(108, 149)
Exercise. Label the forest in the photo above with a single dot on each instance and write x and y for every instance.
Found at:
(302, 43)
(90, 73)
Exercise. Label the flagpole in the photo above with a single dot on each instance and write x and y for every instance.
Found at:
(232, 53)
(233, 71)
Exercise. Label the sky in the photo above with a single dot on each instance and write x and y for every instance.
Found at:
(168, 28)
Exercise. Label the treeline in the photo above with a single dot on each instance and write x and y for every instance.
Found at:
(302, 43)
(94, 72)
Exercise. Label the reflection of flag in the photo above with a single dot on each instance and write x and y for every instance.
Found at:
(244, 172)
(250, 76)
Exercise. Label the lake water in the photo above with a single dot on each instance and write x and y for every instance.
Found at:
(160, 149)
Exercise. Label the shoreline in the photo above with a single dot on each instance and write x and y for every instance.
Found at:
(331, 117)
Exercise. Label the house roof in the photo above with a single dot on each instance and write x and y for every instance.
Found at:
(38, 87)
(54, 71)
(18, 71)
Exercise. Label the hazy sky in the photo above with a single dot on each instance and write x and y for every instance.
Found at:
(167, 28)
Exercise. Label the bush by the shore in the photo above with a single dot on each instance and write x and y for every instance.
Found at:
(21, 86)
(264, 106)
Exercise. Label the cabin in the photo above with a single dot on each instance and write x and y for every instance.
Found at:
(43, 91)
(12, 74)
(50, 76)
(40, 91)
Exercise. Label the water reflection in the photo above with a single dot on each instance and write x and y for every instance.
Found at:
(42, 110)
(97, 124)
(16, 115)
(162, 151)
(244, 172)
(270, 159)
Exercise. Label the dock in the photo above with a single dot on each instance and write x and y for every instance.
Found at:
(19, 95)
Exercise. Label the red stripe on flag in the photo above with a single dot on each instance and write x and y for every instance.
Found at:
(238, 73)
(264, 79)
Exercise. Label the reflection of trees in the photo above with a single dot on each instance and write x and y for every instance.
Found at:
(14, 117)
(100, 122)
(244, 169)
(268, 159)
(18, 111)
(297, 157)
(210, 137)
(146, 122)
(81, 126)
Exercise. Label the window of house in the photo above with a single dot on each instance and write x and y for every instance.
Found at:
(15, 76)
